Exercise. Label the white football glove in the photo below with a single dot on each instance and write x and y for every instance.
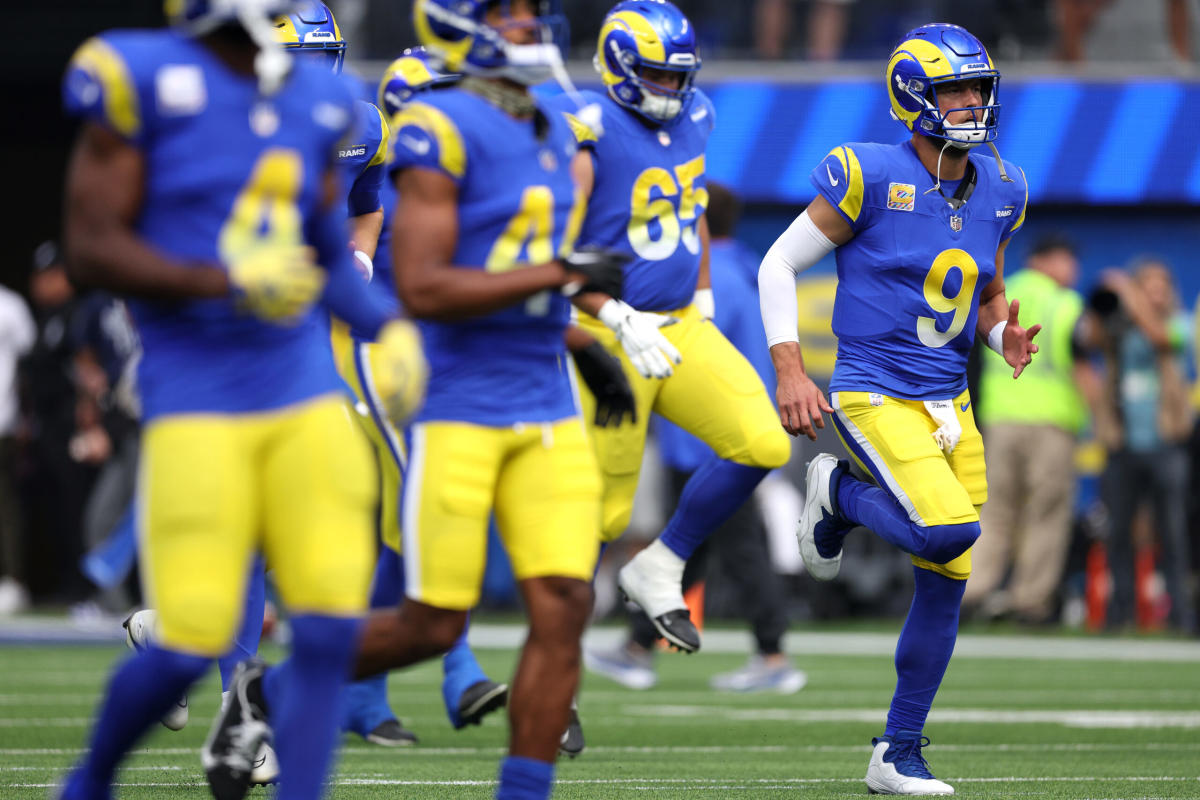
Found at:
(637, 331)
(949, 429)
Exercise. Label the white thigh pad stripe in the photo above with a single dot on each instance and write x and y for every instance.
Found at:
(412, 511)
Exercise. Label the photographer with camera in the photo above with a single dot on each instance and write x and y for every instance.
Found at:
(1144, 419)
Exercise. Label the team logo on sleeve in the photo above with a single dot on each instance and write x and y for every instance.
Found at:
(902, 196)
(1007, 211)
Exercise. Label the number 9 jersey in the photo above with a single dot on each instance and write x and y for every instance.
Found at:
(648, 196)
(909, 281)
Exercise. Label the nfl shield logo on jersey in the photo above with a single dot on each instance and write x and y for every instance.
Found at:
(955, 223)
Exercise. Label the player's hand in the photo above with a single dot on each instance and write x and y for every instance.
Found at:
(399, 371)
(801, 405)
(606, 380)
(1018, 342)
(595, 269)
(638, 332)
(276, 282)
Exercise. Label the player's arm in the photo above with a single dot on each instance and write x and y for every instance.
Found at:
(813, 235)
(105, 189)
(424, 238)
(998, 321)
(365, 230)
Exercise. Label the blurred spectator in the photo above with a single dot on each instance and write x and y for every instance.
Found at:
(1144, 418)
(1030, 427)
(1076, 19)
(828, 21)
(17, 335)
(739, 547)
(107, 413)
(58, 483)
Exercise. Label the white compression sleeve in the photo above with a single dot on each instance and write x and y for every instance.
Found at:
(800, 246)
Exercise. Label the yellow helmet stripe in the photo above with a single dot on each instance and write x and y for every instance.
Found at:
(649, 46)
(452, 153)
(451, 53)
(106, 66)
(927, 54)
(285, 31)
(852, 201)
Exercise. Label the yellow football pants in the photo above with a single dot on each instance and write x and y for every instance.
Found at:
(538, 479)
(354, 362)
(892, 440)
(296, 483)
(714, 394)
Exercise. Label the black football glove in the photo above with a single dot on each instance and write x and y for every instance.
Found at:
(605, 379)
(602, 270)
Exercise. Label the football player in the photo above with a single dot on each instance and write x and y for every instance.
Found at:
(920, 230)
(645, 178)
(487, 214)
(468, 693)
(203, 186)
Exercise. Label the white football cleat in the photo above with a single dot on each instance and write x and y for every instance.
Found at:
(266, 766)
(140, 629)
(818, 511)
(653, 579)
(897, 767)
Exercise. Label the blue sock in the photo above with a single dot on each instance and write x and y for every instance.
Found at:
(864, 504)
(924, 649)
(712, 494)
(142, 688)
(460, 671)
(365, 704)
(245, 643)
(524, 779)
(303, 696)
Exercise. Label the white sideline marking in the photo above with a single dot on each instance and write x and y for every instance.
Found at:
(753, 783)
(1070, 718)
(666, 749)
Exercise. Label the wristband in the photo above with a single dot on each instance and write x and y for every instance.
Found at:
(995, 339)
(365, 265)
(704, 302)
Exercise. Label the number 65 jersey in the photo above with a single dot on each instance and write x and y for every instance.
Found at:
(648, 196)
(910, 279)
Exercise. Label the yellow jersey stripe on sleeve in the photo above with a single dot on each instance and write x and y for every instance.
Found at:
(452, 153)
(105, 65)
(384, 141)
(1024, 206)
(579, 129)
(851, 204)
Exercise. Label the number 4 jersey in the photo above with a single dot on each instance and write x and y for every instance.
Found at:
(909, 281)
(648, 197)
(225, 169)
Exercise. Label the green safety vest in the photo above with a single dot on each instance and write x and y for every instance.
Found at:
(1046, 393)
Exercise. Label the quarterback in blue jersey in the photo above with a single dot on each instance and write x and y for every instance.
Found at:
(920, 230)
(482, 249)
(203, 186)
(645, 178)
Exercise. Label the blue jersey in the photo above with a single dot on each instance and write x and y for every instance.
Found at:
(648, 196)
(364, 157)
(909, 281)
(517, 206)
(224, 167)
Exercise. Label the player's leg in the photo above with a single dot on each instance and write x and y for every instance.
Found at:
(547, 509)
(926, 503)
(736, 419)
(318, 494)
(197, 527)
(249, 632)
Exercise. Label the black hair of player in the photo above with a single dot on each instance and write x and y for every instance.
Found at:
(724, 211)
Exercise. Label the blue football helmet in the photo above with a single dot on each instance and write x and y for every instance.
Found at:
(198, 17)
(411, 73)
(647, 33)
(311, 31)
(459, 39)
(937, 54)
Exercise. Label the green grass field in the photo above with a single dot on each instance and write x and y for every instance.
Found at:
(1002, 727)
